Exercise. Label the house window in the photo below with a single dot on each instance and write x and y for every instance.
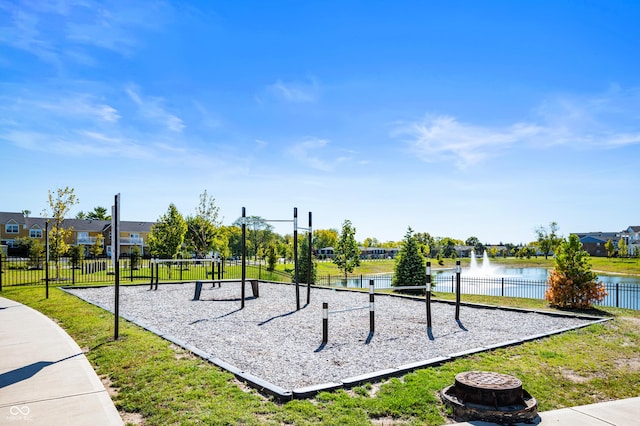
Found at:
(35, 233)
(12, 228)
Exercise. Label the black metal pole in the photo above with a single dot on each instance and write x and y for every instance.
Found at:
(325, 322)
(457, 290)
(1, 255)
(428, 295)
(244, 255)
(46, 262)
(310, 263)
(151, 263)
(372, 308)
(295, 255)
(157, 272)
(116, 255)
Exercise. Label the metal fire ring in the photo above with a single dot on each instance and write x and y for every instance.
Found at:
(488, 380)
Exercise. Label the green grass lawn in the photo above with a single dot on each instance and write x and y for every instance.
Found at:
(161, 384)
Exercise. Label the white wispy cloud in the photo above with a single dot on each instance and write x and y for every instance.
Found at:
(80, 105)
(294, 91)
(152, 108)
(312, 152)
(443, 138)
(605, 121)
(57, 31)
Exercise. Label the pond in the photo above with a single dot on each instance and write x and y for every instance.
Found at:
(622, 291)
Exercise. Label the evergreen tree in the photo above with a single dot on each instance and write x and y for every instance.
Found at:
(572, 284)
(303, 261)
(410, 263)
(346, 253)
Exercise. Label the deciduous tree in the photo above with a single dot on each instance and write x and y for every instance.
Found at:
(60, 204)
(623, 249)
(548, 239)
(259, 233)
(203, 228)
(97, 248)
(167, 234)
(610, 248)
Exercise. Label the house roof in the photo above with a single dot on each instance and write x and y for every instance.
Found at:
(6, 217)
(593, 239)
(88, 225)
(132, 226)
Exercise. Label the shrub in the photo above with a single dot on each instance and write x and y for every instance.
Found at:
(572, 284)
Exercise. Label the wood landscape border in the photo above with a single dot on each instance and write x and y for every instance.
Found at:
(281, 394)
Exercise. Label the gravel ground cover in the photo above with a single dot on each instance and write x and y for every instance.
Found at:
(273, 341)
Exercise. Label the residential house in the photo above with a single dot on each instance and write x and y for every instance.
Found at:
(132, 234)
(365, 253)
(632, 237)
(85, 232)
(593, 242)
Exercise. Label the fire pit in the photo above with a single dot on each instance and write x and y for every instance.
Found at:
(489, 396)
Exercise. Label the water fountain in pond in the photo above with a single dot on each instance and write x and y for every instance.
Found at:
(483, 270)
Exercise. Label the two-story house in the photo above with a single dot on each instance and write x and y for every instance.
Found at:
(85, 233)
(632, 236)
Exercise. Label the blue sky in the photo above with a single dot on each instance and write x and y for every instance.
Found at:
(457, 118)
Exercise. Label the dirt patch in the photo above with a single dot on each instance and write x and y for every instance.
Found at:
(132, 418)
(181, 353)
(108, 385)
(388, 421)
(127, 418)
(574, 377)
(628, 364)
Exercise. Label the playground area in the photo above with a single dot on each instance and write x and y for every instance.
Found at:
(270, 340)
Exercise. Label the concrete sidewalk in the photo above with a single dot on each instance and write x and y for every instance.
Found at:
(623, 412)
(45, 379)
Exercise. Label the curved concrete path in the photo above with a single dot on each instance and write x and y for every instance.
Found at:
(45, 379)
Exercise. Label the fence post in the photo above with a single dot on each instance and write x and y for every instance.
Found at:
(1, 272)
(428, 295)
(372, 308)
(73, 274)
(502, 287)
(617, 295)
(151, 262)
(325, 322)
(458, 289)
(360, 281)
(157, 272)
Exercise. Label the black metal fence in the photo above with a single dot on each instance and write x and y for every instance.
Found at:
(621, 295)
(23, 271)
